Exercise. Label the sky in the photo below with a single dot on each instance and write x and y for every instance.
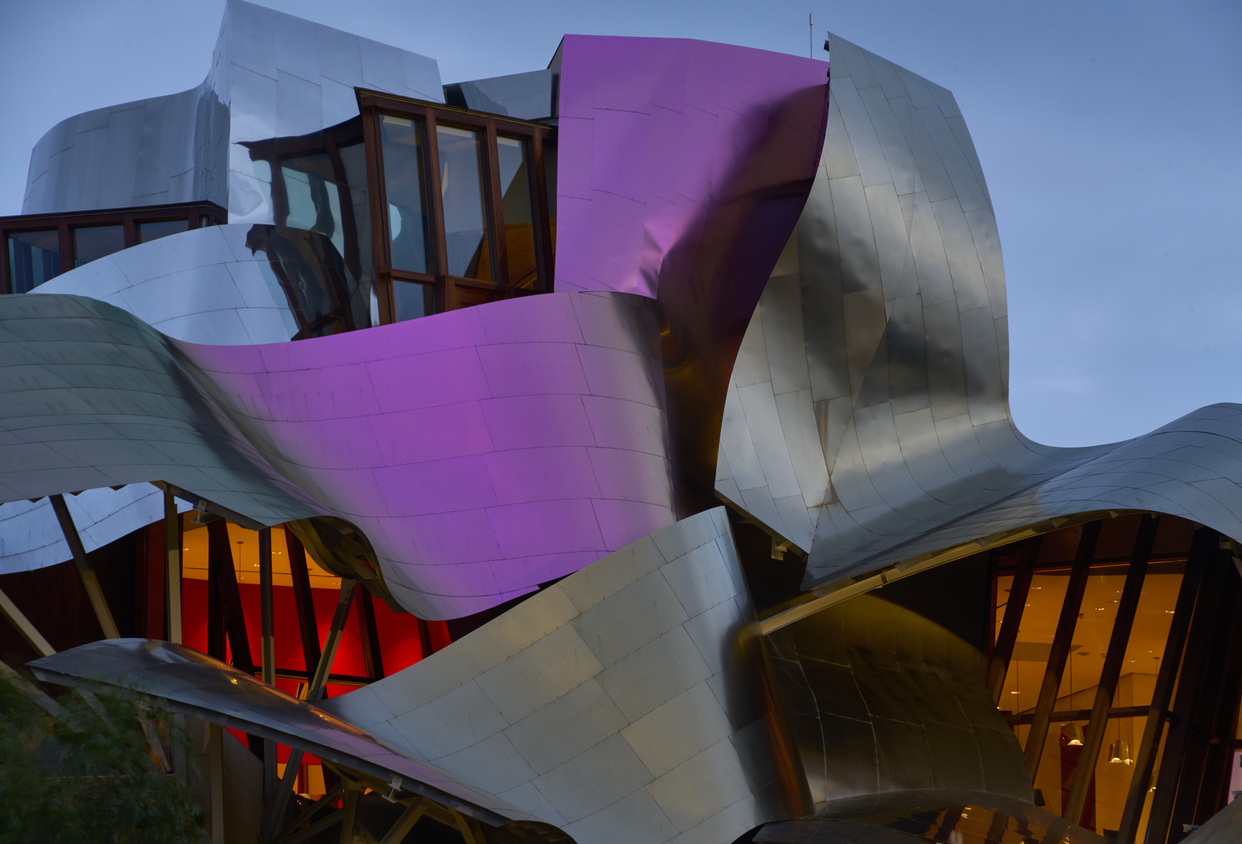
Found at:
(1110, 135)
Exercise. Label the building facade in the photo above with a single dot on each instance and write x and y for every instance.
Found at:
(695, 513)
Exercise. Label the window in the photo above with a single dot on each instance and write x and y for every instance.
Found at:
(459, 207)
(40, 247)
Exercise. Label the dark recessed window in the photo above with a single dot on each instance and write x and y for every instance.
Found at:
(90, 243)
(34, 257)
(155, 229)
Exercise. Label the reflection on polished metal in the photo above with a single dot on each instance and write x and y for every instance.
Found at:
(197, 685)
(880, 700)
(272, 75)
(322, 427)
(628, 696)
(937, 815)
(867, 420)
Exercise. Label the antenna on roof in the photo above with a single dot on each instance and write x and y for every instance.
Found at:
(810, 36)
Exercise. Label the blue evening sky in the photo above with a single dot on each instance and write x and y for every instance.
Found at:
(1110, 134)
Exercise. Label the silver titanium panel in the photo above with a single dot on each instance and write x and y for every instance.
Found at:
(272, 75)
(200, 286)
(656, 738)
(898, 317)
(31, 537)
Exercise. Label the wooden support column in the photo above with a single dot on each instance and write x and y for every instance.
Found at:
(351, 813)
(172, 562)
(24, 626)
(1061, 645)
(372, 655)
(1198, 787)
(1111, 671)
(225, 616)
(267, 644)
(1219, 740)
(401, 828)
(89, 581)
(304, 602)
(313, 692)
(267, 653)
(1195, 665)
(1145, 760)
(1008, 636)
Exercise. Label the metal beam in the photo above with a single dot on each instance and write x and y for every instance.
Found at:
(1008, 636)
(1061, 645)
(29, 632)
(267, 646)
(172, 562)
(1111, 671)
(89, 581)
(1145, 761)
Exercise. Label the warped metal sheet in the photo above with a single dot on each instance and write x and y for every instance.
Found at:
(627, 698)
(205, 688)
(478, 450)
(682, 168)
(896, 309)
(272, 75)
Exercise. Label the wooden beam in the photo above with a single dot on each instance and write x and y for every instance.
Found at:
(228, 616)
(89, 581)
(1145, 760)
(1111, 671)
(24, 626)
(1008, 635)
(267, 646)
(351, 814)
(315, 691)
(1193, 668)
(1061, 645)
(303, 600)
(368, 631)
(172, 561)
(401, 828)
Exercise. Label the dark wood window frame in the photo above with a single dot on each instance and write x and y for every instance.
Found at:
(452, 292)
(197, 213)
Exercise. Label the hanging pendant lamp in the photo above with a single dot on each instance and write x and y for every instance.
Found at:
(1075, 735)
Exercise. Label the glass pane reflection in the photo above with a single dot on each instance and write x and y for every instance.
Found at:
(408, 223)
(461, 187)
(518, 213)
(155, 229)
(413, 300)
(90, 243)
(34, 257)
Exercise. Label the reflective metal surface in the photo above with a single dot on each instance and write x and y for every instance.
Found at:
(31, 538)
(227, 285)
(272, 75)
(937, 815)
(682, 168)
(624, 703)
(482, 451)
(198, 685)
(526, 96)
(881, 700)
(866, 419)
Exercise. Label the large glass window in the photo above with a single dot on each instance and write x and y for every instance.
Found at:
(39, 247)
(34, 257)
(461, 191)
(518, 211)
(404, 184)
(461, 212)
(90, 243)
